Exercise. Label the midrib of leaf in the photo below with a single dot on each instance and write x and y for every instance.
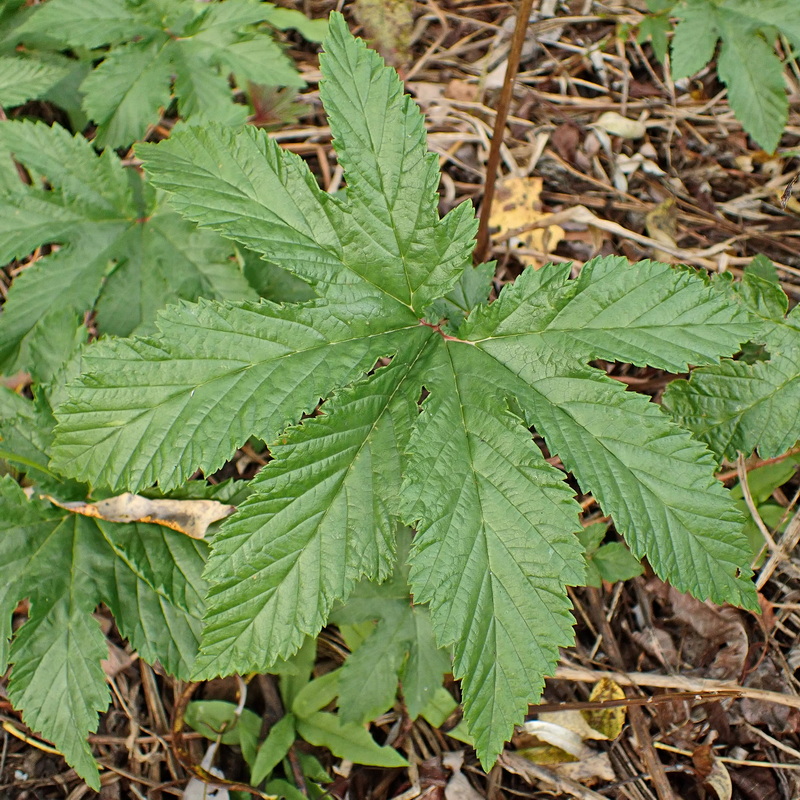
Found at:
(384, 192)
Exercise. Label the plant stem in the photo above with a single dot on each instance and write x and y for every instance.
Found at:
(507, 92)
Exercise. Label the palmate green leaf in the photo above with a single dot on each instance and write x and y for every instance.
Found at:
(195, 44)
(128, 91)
(202, 92)
(748, 64)
(649, 474)
(121, 251)
(495, 547)
(149, 577)
(740, 407)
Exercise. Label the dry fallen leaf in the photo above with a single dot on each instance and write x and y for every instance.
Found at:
(518, 204)
(388, 25)
(712, 773)
(461, 90)
(191, 517)
(662, 225)
(606, 721)
(458, 787)
(617, 125)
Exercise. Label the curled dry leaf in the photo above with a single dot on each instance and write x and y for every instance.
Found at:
(458, 787)
(712, 773)
(191, 517)
(617, 125)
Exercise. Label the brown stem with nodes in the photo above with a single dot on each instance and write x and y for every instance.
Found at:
(507, 92)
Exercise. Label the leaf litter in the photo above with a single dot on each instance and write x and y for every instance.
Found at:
(730, 203)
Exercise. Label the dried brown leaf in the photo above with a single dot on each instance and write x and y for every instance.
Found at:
(191, 517)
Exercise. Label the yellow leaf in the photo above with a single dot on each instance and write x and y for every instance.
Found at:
(608, 721)
(518, 205)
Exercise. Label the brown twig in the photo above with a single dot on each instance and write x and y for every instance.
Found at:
(682, 682)
(517, 40)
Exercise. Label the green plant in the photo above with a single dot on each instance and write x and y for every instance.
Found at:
(156, 50)
(27, 74)
(391, 639)
(495, 544)
(116, 248)
(304, 700)
(750, 403)
(747, 62)
(609, 561)
(65, 564)
(763, 481)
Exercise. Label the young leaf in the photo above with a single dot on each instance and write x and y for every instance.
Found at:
(273, 749)
(739, 406)
(122, 252)
(495, 547)
(400, 647)
(130, 88)
(347, 740)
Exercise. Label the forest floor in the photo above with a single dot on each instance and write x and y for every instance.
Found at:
(712, 706)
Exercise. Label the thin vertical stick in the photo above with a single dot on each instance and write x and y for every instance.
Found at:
(517, 40)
